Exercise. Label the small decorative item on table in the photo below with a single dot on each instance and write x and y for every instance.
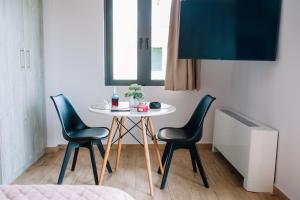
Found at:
(136, 95)
(115, 99)
(142, 107)
(155, 105)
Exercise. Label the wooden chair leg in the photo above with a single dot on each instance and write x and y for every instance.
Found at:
(167, 167)
(193, 160)
(102, 152)
(164, 156)
(200, 166)
(75, 159)
(65, 163)
(93, 161)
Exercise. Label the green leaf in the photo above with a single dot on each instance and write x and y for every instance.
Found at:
(135, 91)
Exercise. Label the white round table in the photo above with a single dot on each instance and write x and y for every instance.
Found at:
(165, 109)
(124, 113)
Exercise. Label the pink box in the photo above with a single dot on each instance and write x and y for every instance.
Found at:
(142, 107)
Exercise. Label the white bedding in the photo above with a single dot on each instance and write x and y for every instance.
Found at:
(61, 192)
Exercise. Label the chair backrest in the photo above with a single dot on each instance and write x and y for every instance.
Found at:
(69, 119)
(195, 124)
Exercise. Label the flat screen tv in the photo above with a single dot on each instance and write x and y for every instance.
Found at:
(229, 29)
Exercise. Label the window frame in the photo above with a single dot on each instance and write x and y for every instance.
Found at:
(144, 54)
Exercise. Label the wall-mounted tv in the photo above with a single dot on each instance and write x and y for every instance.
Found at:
(229, 29)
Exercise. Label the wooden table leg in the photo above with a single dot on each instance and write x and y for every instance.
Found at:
(147, 155)
(152, 132)
(110, 137)
(121, 128)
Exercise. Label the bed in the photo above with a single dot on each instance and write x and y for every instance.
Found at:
(61, 192)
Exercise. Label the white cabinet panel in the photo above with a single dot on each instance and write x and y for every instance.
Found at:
(34, 75)
(12, 92)
(22, 97)
(3, 71)
(3, 60)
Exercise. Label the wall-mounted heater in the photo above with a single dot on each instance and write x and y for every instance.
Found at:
(249, 146)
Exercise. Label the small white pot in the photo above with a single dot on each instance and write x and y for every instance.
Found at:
(133, 102)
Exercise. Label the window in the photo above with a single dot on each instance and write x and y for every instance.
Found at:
(136, 37)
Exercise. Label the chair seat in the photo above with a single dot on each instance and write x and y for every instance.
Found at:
(175, 135)
(89, 134)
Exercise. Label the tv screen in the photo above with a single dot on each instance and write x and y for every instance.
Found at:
(229, 29)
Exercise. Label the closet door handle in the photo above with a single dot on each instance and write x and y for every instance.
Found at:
(28, 59)
(22, 58)
(140, 43)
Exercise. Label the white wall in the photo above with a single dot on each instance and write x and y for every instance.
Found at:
(268, 92)
(74, 66)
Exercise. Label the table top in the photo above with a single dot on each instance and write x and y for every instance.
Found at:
(164, 110)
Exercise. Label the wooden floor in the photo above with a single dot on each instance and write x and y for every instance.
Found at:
(183, 183)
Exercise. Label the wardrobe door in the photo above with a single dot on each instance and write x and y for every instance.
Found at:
(34, 78)
(12, 92)
(3, 60)
(3, 69)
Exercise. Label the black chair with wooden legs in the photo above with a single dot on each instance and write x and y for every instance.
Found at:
(186, 137)
(78, 135)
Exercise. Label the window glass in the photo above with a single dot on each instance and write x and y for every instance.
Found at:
(125, 39)
(160, 18)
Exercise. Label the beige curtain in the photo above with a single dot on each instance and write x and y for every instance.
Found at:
(181, 74)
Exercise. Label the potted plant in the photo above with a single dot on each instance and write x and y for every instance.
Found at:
(136, 95)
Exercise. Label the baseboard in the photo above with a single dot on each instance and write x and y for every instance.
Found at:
(280, 194)
(206, 146)
(52, 149)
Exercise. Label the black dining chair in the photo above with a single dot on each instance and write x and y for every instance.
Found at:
(78, 135)
(186, 137)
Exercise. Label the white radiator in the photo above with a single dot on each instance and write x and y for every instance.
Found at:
(249, 146)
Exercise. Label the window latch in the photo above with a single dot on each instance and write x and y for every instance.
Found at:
(140, 43)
